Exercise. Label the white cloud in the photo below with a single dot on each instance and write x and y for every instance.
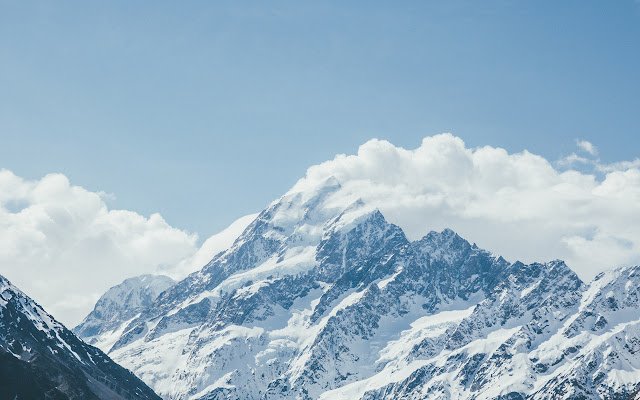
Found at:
(64, 247)
(587, 147)
(517, 205)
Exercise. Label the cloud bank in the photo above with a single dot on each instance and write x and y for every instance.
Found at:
(64, 247)
(516, 205)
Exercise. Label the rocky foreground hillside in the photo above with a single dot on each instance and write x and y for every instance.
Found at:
(41, 359)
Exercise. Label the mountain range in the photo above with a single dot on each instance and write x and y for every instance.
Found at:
(322, 298)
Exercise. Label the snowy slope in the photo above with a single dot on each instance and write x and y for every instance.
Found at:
(212, 246)
(40, 358)
(124, 302)
(323, 298)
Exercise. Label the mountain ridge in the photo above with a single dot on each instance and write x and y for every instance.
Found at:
(323, 298)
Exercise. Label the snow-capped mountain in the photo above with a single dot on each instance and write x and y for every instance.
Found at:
(41, 359)
(117, 306)
(322, 298)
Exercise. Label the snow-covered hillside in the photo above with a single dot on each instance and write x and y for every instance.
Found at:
(322, 298)
(41, 359)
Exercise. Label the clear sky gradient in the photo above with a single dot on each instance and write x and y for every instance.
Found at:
(206, 111)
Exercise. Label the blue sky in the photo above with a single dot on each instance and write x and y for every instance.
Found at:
(206, 111)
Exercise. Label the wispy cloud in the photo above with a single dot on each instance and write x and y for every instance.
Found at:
(587, 147)
(592, 161)
(618, 166)
(573, 159)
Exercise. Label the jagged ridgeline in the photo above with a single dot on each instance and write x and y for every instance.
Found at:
(41, 359)
(323, 298)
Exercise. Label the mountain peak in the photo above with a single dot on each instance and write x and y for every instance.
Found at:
(119, 304)
(446, 235)
(445, 244)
